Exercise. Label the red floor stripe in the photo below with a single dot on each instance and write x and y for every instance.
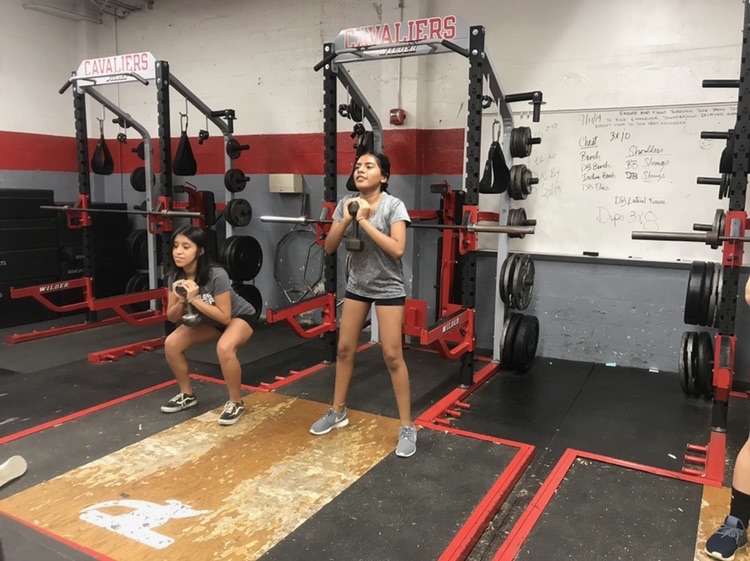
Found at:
(82, 413)
(71, 544)
(525, 524)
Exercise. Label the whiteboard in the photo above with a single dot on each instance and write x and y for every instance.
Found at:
(605, 173)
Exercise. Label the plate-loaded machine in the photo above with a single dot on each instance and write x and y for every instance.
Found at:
(160, 210)
(455, 325)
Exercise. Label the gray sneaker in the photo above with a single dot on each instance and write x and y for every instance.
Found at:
(407, 442)
(331, 420)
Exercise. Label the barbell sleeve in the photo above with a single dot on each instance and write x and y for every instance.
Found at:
(682, 237)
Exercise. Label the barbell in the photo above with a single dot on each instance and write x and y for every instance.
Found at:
(172, 213)
(474, 228)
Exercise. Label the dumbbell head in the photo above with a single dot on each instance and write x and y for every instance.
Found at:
(181, 290)
(191, 318)
(354, 244)
(353, 208)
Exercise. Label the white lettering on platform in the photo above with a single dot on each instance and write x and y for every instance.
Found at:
(138, 524)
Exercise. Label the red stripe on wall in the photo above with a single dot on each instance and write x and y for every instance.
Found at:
(411, 151)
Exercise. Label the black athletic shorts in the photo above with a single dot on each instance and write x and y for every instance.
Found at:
(377, 301)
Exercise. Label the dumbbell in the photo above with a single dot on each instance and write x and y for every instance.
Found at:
(356, 243)
(190, 318)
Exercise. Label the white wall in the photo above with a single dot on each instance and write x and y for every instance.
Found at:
(39, 52)
(257, 56)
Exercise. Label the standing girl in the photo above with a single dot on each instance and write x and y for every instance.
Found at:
(224, 315)
(376, 276)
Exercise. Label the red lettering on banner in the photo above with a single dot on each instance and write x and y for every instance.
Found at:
(397, 27)
(449, 28)
(349, 34)
(411, 35)
(436, 28)
(422, 26)
(387, 37)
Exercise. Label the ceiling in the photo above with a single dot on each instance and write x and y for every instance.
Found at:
(88, 10)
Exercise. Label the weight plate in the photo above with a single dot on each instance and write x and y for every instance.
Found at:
(501, 286)
(252, 295)
(691, 356)
(138, 283)
(525, 343)
(136, 246)
(235, 180)
(508, 279)
(520, 142)
(705, 364)
(694, 292)
(523, 281)
(513, 186)
(712, 298)
(719, 283)
(706, 288)
(682, 368)
(238, 212)
(526, 182)
(245, 258)
(695, 366)
(509, 334)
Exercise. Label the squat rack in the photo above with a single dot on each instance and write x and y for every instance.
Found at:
(141, 67)
(729, 232)
(160, 211)
(427, 36)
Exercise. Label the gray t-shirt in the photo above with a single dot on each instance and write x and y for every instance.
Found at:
(218, 283)
(372, 272)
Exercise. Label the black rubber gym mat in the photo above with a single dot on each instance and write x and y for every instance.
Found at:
(635, 415)
(603, 511)
(371, 390)
(28, 400)
(403, 508)
(22, 543)
(59, 449)
(526, 408)
(34, 356)
(272, 350)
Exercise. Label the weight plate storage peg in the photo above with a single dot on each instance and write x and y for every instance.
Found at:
(238, 212)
